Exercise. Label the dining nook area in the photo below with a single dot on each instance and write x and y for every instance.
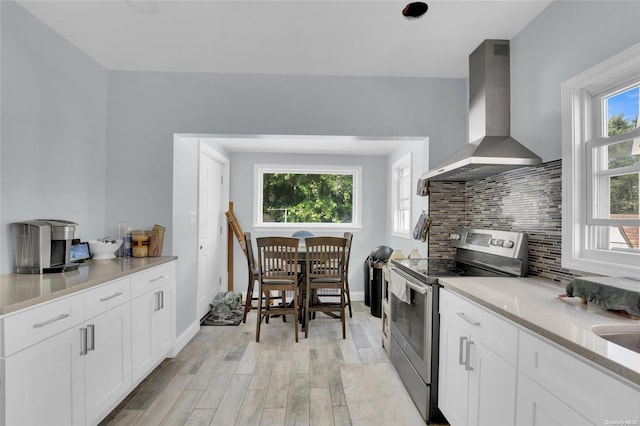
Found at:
(297, 277)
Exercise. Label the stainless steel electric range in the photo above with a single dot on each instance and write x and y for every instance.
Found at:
(414, 298)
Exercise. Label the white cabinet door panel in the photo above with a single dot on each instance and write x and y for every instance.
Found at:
(577, 383)
(453, 383)
(44, 383)
(165, 322)
(142, 338)
(108, 364)
(492, 388)
(539, 407)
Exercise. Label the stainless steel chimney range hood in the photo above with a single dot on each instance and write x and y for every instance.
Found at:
(492, 149)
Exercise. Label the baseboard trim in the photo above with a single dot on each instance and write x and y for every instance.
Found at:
(184, 338)
(357, 296)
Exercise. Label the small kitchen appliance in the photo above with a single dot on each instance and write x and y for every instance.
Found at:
(43, 246)
(415, 321)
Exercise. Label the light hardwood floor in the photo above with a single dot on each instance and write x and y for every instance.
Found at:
(223, 377)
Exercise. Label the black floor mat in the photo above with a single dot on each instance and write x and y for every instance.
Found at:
(234, 318)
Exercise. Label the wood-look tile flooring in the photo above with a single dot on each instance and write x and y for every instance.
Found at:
(223, 377)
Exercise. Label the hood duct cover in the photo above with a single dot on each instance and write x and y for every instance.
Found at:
(492, 149)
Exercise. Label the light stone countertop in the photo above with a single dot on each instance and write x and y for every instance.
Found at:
(534, 304)
(19, 291)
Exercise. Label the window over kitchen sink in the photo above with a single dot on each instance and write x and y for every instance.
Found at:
(601, 167)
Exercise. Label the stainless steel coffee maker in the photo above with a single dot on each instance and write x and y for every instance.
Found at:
(43, 246)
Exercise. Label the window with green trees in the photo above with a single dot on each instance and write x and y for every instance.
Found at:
(307, 195)
(622, 112)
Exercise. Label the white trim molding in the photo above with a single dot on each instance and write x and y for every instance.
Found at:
(578, 127)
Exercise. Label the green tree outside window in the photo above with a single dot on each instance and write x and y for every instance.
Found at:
(307, 198)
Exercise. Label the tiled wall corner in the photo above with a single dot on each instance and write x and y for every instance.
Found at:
(447, 211)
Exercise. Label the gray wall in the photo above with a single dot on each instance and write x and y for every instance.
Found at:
(147, 109)
(54, 108)
(567, 38)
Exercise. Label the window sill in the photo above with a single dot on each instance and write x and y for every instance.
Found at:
(599, 267)
(405, 236)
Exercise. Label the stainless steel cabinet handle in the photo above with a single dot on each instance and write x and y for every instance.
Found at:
(157, 296)
(461, 351)
(49, 321)
(467, 362)
(161, 299)
(83, 341)
(92, 345)
(464, 317)
(113, 296)
(158, 278)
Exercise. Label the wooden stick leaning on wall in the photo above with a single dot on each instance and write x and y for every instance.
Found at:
(233, 228)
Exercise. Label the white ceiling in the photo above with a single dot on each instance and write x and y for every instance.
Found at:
(347, 38)
(296, 37)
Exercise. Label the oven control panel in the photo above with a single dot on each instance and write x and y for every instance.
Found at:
(503, 243)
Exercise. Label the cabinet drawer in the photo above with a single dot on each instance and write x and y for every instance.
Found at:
(483, 326)
(36, 324)
(594, 394)
(107, 296)
(147, 281)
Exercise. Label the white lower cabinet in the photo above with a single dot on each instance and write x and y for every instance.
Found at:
(70, 361)
(77, 376)
(539, 407)
(152, 319)
(492, 389)
(107, 363)
(560, 386)
(486, 360)
(44, 383)
(477, 386)
(152, 324)
(453, 387)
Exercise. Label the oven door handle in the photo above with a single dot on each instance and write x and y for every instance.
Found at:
(417, 288)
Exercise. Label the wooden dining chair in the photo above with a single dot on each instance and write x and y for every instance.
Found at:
(277, 272)
(349, 237)
(325, 293)
(254, 277)
(325, 261)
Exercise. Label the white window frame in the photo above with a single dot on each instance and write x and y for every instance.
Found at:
(579, 137)
(398, 178)
(260, 169)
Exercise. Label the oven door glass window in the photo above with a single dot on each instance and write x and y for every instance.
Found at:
(413, 321)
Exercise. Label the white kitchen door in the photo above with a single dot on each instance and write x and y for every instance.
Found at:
(210, 215)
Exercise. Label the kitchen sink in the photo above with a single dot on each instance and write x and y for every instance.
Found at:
(625, 335)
